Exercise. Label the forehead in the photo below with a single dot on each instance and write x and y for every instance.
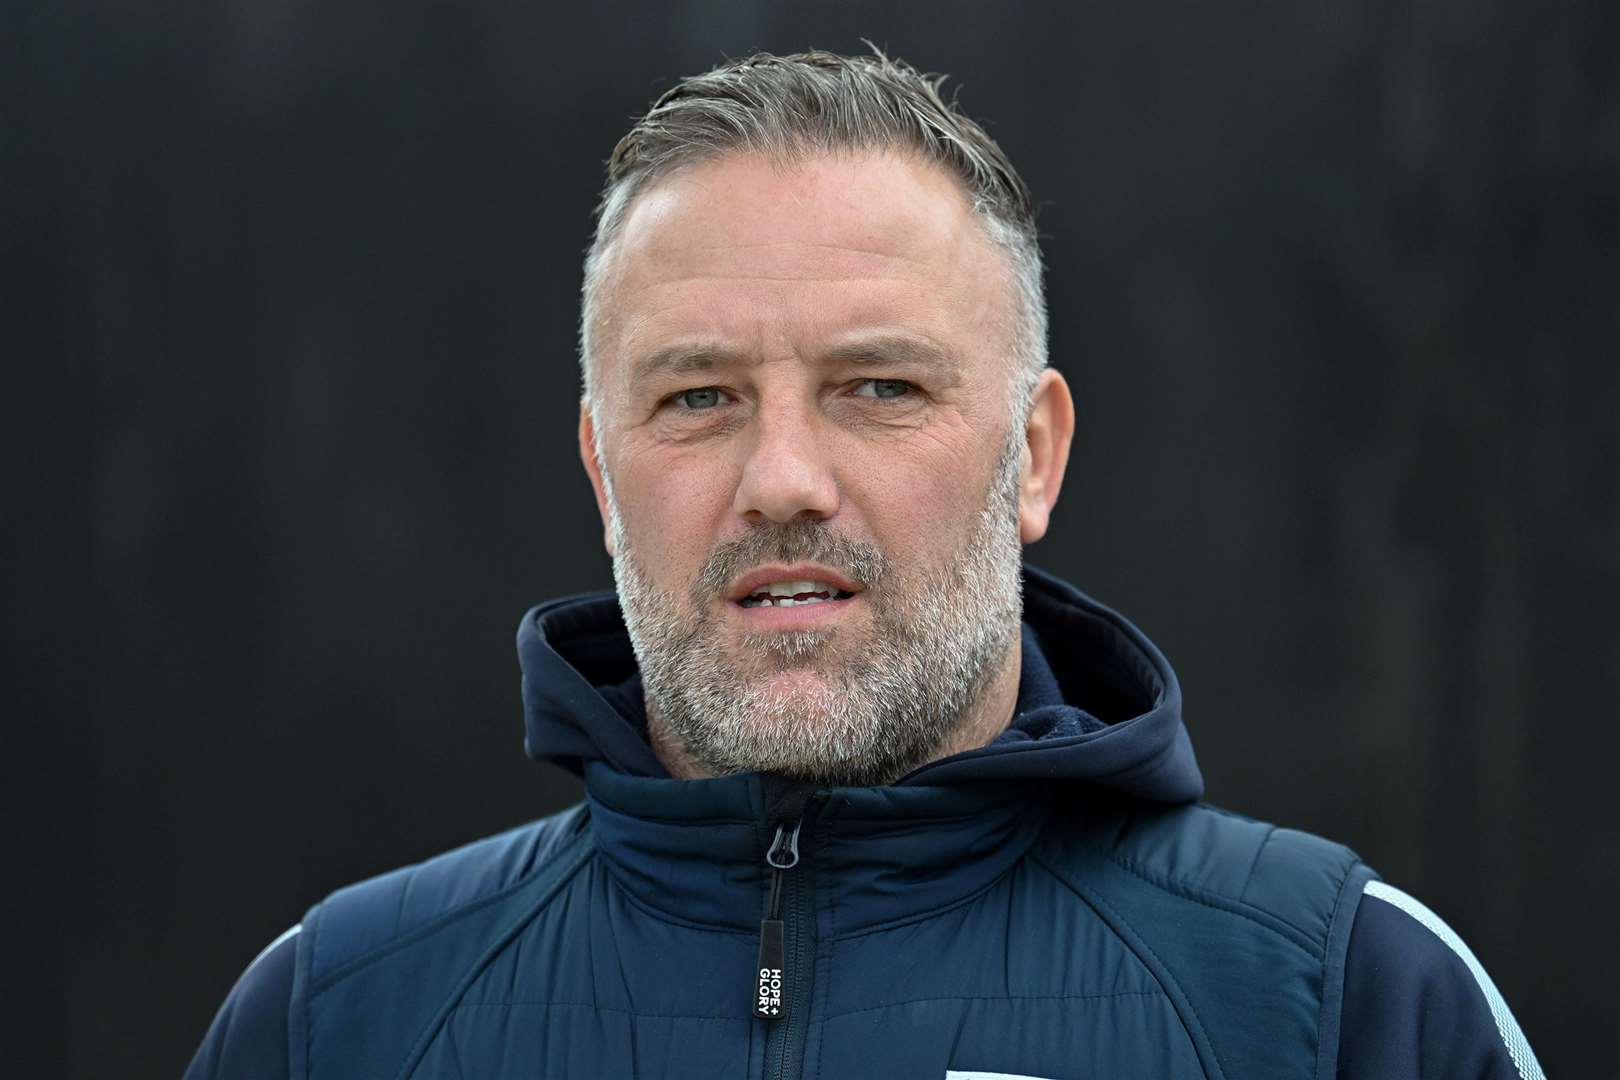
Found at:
(745, 249)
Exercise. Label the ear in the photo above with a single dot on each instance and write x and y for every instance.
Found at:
(593, 469)
(1046, 454)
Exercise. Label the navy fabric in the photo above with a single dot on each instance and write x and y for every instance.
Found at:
(959, 923)
(248, 1039)
(1049, 905)
(1412, 1007)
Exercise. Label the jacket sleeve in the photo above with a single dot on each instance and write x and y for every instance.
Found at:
(248, 1038)
(1418, 1004)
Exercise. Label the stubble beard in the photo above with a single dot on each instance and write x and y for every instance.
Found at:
(879, 704)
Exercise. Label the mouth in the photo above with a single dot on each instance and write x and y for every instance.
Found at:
(786, 594)
(782, 587)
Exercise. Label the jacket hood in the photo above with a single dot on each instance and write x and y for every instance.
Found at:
(1101, 701)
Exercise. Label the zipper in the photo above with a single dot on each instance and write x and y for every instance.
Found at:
(785, 973)
(782, 857)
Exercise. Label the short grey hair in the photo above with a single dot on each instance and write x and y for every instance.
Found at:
(792, 107)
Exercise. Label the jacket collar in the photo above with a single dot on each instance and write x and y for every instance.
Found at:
(694, 850)
(1098, 707)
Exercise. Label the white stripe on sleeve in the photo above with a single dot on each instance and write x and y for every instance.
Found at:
(264, 952)
(1518, 1048)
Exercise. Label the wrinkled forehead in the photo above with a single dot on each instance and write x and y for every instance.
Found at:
(751, 229)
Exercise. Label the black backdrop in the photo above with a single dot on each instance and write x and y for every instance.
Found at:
(290, 297)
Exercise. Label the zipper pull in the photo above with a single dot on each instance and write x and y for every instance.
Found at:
(769, 1001)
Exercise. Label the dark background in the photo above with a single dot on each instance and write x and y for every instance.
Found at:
(290, 299)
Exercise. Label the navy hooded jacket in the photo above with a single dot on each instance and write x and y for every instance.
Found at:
(1055, 904)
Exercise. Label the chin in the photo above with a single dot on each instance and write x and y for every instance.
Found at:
(795, 699)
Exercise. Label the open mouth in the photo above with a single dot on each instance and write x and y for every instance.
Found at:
(793, 594)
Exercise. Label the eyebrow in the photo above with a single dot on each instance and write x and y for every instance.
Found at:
(903, 349)
(682, 360)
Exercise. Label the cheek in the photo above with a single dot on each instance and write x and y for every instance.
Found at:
(672, 509)
(923, 498)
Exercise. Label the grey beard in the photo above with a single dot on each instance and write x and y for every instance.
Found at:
(884, 705)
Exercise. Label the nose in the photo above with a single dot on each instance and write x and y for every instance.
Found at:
(787, 473)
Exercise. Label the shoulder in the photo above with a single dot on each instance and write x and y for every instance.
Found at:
(371, 914)
(1212, 855)
(379, 961)
(1244, 924)
(248, 1038)
(1419, 1003)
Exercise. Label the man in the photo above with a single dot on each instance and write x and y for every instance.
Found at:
(865, 797)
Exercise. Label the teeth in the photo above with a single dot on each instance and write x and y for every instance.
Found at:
(791, 593)
(794, 588)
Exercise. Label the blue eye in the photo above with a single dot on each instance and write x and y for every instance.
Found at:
(704, 397)
(883, 388)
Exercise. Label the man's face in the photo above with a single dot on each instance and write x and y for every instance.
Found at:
(803, 390)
